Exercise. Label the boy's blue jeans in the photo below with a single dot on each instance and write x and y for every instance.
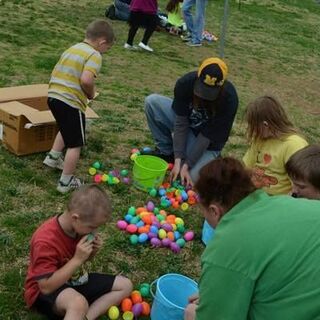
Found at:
(195, 25)
(161, 118)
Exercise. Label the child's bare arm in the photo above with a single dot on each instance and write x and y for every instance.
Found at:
(87, 83)
(62, 275)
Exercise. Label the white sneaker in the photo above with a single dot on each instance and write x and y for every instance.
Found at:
(52, 162)
(74, 183)
(130, 47)
(145, 47)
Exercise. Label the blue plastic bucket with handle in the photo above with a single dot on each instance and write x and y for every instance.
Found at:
(171, 296)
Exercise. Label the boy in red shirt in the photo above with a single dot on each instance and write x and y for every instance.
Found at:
(57, 283)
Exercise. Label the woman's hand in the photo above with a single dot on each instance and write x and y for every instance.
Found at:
(175, 170)
(185, 176)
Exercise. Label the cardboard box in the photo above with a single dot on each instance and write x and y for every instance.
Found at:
(26, 124)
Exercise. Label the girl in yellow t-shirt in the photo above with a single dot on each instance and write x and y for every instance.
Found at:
(273, 140)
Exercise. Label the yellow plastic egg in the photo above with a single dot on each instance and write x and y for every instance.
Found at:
(92, 171)
(113, 313)
(128, 315)
(133, 156)
(104, 177)
(179, 221)
(162, 234)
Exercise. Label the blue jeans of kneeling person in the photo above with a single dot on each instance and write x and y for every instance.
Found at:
(161, 119)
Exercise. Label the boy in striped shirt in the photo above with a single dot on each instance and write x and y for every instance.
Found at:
(70, 88)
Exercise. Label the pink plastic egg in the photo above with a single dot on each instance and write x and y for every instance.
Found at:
(122, 225)
(132, 228)
(150, 206)
(189, 235)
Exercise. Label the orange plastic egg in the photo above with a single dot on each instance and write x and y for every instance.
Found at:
(136, 297)
(126, 305)
(145, 308)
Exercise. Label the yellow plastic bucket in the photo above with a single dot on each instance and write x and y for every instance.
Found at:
(148, 172)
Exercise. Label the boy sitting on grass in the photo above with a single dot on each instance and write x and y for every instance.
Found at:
(303, 169)
(57, 283)
(71, 86)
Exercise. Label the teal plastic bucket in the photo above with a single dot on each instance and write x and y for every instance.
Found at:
(148, 172)
(171, 296)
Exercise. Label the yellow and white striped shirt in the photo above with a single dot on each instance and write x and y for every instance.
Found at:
(64, 84)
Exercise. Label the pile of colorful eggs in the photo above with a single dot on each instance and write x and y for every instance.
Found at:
(175, 196)
(133, 306)
(112, 177)
(154, 225)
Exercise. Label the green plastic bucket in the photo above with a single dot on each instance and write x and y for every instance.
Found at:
(148, 172)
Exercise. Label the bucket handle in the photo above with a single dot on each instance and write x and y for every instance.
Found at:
(151, 288)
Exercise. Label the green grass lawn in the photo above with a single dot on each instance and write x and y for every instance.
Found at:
(271, 47)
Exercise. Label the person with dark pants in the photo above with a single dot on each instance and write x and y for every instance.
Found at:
(143, 13)
(122, 9)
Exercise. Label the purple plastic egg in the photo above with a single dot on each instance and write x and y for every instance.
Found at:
(152, 235)
(122, 225)
(150, 206)
(174, 247)
(166, 242)
(155, 242)
(189, 235)
(167, 227)
(156, 224)
(126, 180)
(137, 309)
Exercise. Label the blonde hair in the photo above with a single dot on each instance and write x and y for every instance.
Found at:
(100, 29)
(267, 109)
(89, 201)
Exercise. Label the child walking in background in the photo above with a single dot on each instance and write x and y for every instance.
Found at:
(70, 87)
(143, 13)
(57, 283)
(303, 169)
(273, 140)
(175, 24)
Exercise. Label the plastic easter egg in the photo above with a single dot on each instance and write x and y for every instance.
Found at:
(126, 304)
(134, 150)
(154, 229)
(132, 211)
(145, 290)
(134, 239)
(155, 242)
(179, 221)
(180, 228)
(92, 171)
(170, 235)
(140, 224)
(113, 313)
(128, 218)
(184, 195)
(126, 180)
(133, 156)
(132, 228)
(136, 297)
(143, 237)
(128, 315)
(115, 180)
(153, 192)
(96, 165)
(146, 149)
(97, 178)
(152, 235)
(160, 217)
(122, 225)
(177, 235)
(135, 219)
(170, 166)
(166, 242)
(181, 242)
(188, 236)
(104, 177)
(124, 172)
(167, 227)
(150, 206)
(161, 192)
(145, 308)
(174, 247)
(137, 309)
(162, 234)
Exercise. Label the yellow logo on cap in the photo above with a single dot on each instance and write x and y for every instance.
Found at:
(210, 81)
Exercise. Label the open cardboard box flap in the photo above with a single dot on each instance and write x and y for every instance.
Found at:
(35, 116)
(23, 92)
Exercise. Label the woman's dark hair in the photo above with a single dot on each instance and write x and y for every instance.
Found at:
(225, 181)
(172, 5)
